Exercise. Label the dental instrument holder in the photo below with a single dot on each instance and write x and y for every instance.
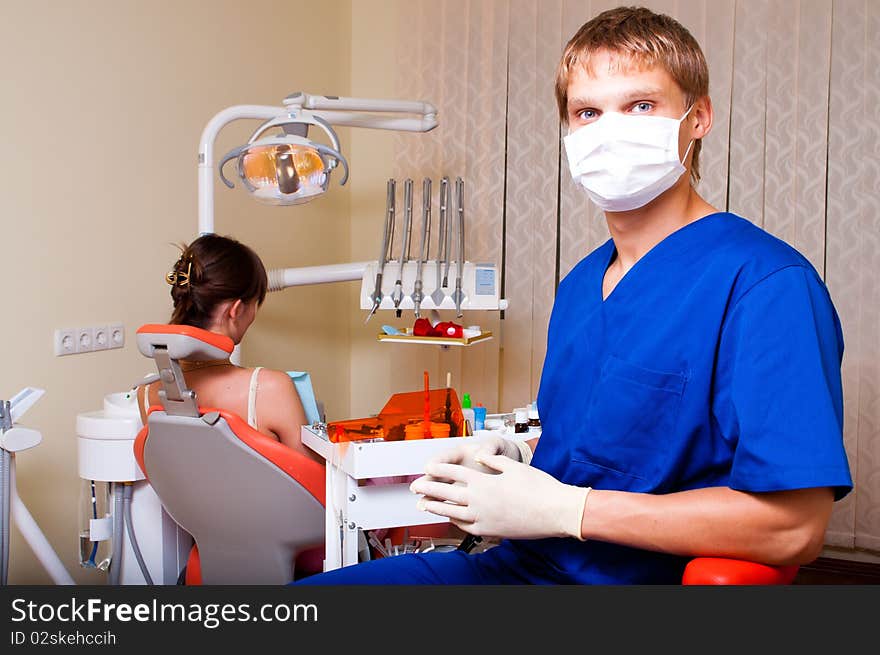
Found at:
(476, 285)
(480, 285)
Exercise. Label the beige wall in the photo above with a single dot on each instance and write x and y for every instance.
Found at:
(103, 106)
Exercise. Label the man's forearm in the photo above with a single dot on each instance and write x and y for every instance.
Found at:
(785, 527)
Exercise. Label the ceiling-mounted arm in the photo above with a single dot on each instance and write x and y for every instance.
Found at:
(337, 110)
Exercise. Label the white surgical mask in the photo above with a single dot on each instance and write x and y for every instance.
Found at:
(624, 161)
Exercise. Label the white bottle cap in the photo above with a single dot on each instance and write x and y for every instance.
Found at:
(521, 416)
(533, 412)
(494, 424)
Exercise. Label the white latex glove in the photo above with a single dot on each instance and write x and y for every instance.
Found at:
(468, 454)
(514, 500)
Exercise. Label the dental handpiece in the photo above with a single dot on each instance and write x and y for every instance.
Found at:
(447, 223)
(458, 295)
(387, 243)
(397, 294)
(387, 230)
(425, 248)
(437, 295)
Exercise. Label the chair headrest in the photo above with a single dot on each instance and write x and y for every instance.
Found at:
(183, 342)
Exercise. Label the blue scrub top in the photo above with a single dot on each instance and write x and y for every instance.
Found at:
(714, 362)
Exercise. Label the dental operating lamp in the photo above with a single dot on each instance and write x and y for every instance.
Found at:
(281, 165)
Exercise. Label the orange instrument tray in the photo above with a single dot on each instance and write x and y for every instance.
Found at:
(401, 410)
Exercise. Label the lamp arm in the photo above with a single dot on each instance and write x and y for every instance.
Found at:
(282, 278)
(376, 122)
(336, 110)
(206, 155)
(308, 101)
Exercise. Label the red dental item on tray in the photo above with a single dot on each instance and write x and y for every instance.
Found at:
(423, 328)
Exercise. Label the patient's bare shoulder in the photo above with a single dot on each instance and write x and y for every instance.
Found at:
(273, 381)
(278, 399)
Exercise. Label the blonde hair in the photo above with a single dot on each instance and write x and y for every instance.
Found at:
(639, 38)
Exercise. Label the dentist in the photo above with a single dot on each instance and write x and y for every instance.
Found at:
(691, 397)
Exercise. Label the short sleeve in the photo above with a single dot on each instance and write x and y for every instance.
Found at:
(778, 394)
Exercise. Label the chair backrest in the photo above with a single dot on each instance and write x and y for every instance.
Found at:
(250, 503)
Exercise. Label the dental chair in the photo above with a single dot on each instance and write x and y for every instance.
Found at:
(254, 507)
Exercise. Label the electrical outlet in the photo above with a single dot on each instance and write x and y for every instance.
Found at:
(102, 338)
(85, 337)
(65, 342)
(116, 333)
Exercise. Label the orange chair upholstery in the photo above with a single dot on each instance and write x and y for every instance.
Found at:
(253, 506)
(726, 571)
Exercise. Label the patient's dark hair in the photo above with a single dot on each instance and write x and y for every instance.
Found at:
(213, 269)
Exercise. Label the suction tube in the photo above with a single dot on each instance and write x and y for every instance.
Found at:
(129, 526)
(118, 525)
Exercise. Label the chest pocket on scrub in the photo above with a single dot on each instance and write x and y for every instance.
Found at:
(631, 420)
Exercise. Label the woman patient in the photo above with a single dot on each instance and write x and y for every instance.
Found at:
(218, 284)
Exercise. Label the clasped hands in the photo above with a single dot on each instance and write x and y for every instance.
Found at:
(484, 489)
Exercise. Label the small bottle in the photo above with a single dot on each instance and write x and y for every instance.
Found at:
(479, 417)
(522, 422)
(468, 414)
(534, 420)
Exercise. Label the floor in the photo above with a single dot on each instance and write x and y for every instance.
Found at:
(826, 570)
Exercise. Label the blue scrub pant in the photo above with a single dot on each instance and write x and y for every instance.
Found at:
(500, 565)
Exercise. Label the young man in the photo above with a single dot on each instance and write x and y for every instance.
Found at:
(691, 397)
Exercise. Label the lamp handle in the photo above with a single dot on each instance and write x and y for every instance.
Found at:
(325, 150)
